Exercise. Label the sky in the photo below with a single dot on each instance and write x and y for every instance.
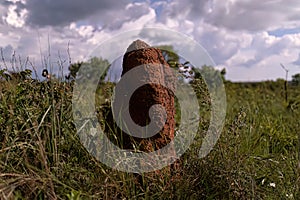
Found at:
(249, 38)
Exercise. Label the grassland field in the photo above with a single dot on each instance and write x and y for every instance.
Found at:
(256, 157)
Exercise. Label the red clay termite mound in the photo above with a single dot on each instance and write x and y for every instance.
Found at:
(158, 86)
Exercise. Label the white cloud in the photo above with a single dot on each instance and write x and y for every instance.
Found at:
(15, 18)
(85, 31)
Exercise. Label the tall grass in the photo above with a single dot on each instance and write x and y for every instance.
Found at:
(41, 156)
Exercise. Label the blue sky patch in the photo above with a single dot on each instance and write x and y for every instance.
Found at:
(282, 32)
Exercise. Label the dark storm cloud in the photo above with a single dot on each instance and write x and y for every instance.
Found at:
(62, 12)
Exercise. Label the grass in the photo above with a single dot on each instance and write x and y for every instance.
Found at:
(256, 157)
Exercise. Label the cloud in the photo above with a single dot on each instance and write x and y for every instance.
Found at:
(229, 28)
(60, 13)
(248, 38)
(297, 62)
(104, 14)
(221, 43)
(261, 59)
(46, 45)
(15, 15)
(7, 52)
(132, 12)
(254, 15)
(267, 69)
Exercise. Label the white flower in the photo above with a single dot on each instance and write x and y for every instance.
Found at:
(272, 184)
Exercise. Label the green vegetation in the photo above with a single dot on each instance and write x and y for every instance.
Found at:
(256, 157)
(296, 79)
